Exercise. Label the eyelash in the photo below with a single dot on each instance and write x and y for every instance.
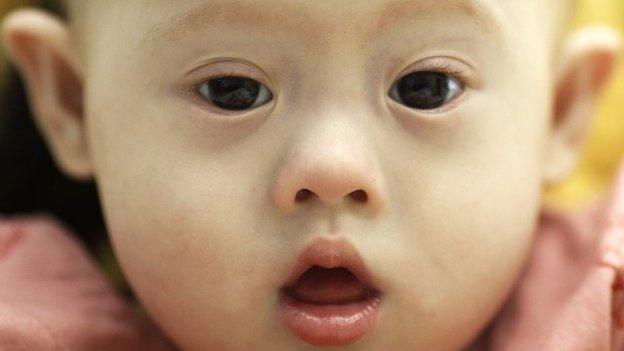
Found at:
(443, 67)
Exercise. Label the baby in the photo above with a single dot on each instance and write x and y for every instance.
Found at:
(346, 175)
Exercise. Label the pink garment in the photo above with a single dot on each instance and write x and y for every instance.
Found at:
(569, 298)
(53, 297)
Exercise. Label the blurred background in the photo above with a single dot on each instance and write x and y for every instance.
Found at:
(605, 147)
(30, 182)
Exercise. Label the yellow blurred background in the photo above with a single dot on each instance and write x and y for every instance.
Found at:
(606, 142)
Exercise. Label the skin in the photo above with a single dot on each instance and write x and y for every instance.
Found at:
(200, 202)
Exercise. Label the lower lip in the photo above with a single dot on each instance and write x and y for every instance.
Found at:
(329, 325)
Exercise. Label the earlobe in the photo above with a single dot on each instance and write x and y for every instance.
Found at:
(40, 46)
(586, 63)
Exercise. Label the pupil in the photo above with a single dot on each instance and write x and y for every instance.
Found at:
(425, 90)
(234, 93)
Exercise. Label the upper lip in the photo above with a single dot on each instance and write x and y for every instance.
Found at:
(329, 252)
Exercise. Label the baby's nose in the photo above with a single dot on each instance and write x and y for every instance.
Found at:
(332, 171)
(331, 183)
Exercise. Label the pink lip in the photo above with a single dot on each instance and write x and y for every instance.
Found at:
(330, 324)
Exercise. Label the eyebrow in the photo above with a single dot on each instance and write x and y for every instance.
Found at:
(243, 12)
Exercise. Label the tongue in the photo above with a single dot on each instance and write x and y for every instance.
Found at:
(327, 286)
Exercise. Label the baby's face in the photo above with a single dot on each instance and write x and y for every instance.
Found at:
(397, 146)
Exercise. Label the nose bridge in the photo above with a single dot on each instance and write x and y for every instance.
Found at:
(331, 162)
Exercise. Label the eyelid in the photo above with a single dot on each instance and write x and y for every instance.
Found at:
(455, 68)
(227, 67)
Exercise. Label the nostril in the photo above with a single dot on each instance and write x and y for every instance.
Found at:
(302, 195)
(359, 195)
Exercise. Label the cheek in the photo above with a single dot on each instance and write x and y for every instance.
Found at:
(464, 257)
(187, 264)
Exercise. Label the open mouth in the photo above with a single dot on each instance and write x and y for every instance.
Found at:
(329, 286)
(330, 299)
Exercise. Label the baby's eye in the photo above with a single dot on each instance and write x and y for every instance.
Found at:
(426, 90)
(234, 93)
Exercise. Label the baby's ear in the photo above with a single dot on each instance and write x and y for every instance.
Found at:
(586, 62)
(39, 44)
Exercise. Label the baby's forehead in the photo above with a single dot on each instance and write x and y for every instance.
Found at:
(319, 19)
(157, 24)
(174, 16)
